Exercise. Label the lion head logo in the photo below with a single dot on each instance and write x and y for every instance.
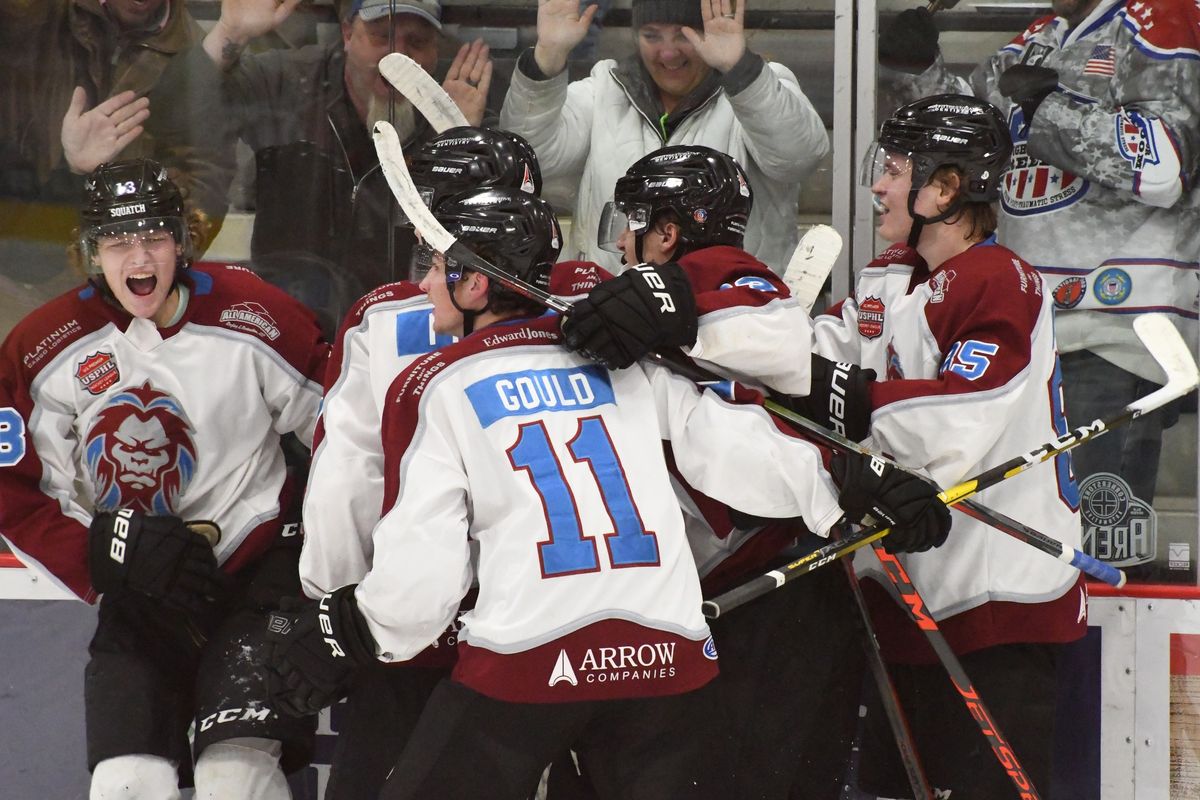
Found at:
(140, 451)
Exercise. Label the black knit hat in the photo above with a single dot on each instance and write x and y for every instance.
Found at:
(668, 12)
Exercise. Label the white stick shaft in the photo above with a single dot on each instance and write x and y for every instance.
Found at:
(426, 95)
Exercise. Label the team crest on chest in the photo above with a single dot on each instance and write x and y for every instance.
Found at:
(140, 452)
(870, 318)
(98, 372)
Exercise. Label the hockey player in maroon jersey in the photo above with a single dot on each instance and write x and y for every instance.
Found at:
(540, 455)
(157, 393)
(959, 331)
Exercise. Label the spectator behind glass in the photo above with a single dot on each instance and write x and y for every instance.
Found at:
(1103, 102)
(73, 93)
(692, 81)
(323, 208)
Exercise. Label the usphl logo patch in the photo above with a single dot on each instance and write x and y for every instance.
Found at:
(870, 318)
(98, 372)
(1068, 293)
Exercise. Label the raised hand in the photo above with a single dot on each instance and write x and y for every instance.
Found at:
(90, 138)
(723, 41)
(560, 26)
(241, 21)
(468, 79)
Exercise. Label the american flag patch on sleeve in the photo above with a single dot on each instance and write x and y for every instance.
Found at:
(1101, 61)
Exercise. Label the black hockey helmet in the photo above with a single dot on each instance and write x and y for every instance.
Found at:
(705, 188)
(944, 130)
(131, 196)
(516, 231)
(464, 158)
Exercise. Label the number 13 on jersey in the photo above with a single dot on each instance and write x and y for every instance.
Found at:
(568, 551)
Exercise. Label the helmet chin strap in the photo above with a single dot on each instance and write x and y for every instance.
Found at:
(919, 222)
(467, 313)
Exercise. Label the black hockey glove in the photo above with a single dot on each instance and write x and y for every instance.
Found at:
(1027, 86)
(645, 308)
(909, 43)
(839, 397)
(873, 488)
(317, 646)
(158, 556)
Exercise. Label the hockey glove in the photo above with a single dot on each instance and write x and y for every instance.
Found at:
(645, 308)
(872, 488)
(157, 556)
(839, 398)
(317, 646)
(909, 43)
(1027, 86)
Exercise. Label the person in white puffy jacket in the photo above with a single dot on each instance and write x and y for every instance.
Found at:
(692, 81)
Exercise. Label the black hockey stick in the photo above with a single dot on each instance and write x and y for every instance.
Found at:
(391, 159)
(888, 696)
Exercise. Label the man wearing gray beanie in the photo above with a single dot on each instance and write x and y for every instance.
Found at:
(691, 81)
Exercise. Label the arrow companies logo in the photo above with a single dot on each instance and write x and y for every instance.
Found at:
(652, 661)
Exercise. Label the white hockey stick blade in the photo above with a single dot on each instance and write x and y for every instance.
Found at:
(811, 263)
(1162, 340)
(391, 161)
(425, 93)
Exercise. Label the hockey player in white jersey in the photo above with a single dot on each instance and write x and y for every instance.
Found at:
(1102, 98)
(158, 393)
(540, 456)
(383, 333)
(959, 331)
(791, 663)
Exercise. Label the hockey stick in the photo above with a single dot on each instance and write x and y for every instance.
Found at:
(915, 607)
(888, 696)
(1161, 340)
(392, 161)
(426, 94)
(811, 263)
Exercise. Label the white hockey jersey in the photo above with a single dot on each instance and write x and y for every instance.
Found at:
(384, 332)
(968, 378)
(587, 588)
(99, 411)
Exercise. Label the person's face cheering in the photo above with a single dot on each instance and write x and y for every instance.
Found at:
(671, 60)
(367, 42)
